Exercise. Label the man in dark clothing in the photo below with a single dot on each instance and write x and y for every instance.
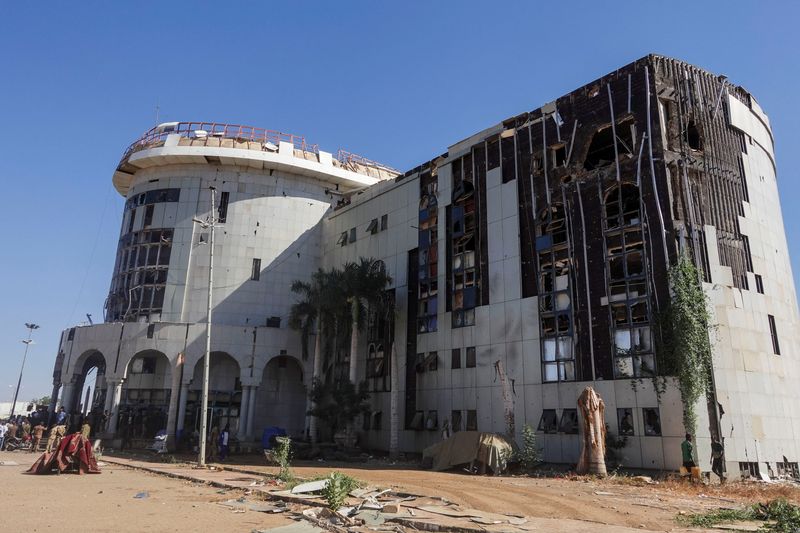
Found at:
(687, 451)
(717, 453)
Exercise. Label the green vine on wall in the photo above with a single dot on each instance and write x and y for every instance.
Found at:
(684, 341)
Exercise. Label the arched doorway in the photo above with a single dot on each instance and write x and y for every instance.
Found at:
(224, 394)
(144, 403)
(88, 385)
(281, 397)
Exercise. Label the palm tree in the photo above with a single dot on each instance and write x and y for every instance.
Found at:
(364, 283)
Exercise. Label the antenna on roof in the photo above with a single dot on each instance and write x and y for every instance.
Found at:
(158, 108)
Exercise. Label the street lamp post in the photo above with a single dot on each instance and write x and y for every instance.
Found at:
(201, 460)
(31, 326)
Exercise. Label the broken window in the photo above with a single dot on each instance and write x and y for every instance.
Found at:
(776, 347)
(428, 254)
(749, 470)
(652, 421)
(493, 153)
(559, 154)
(625, 421)
(601, 150)
(555, 296)
(455, 359)
(255, 272)
(548, 422)
(342, 241)
(373, 226)
(455, 421)
(508, 157)
(472, 420)
(432, 420)
(693, 136)
(470, 359)
(417, 421)
(222, 210)
(462, 240)
(569, 422)
(148, 216)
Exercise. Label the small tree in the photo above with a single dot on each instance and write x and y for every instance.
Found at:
(529, 456)
(283, 456)
(337, 404)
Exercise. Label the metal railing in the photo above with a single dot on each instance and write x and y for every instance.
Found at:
(203, 132)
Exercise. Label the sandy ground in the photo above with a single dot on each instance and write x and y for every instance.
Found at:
(105, 502)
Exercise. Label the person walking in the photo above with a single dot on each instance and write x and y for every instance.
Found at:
(224, 438)
(3, 431)
(38, 431)
(687, 453)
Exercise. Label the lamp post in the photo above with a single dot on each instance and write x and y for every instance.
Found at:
(201, 460)
(31, 326)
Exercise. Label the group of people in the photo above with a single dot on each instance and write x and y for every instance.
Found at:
(31, 428)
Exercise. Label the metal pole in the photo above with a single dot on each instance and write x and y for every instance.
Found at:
(27, 342)
(207, 357)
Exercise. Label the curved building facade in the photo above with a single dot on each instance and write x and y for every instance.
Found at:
(528, 261)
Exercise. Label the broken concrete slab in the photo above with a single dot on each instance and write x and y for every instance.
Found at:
(299, 527)
(257, 506)
(311, 486)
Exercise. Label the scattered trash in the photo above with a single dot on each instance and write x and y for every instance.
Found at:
(601, 493)
(9, 463)
(142, 495)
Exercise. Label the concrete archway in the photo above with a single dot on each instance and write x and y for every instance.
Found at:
(82, 395)
(281, 397)
(224, 394)
(146, 391)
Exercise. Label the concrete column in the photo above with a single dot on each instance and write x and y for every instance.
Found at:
(251, 411)
(182, 406)
(53, 402)
(66, 396)
(243, 410)
(116, 393)
(108, 405)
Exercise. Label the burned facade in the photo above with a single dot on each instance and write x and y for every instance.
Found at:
(530, 260)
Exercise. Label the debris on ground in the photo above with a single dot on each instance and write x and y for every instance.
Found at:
(479, 450)
(142, 495)
(257, 506)
(311, 486)
(9, 463)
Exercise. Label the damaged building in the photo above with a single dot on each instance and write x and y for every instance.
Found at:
(528, 261)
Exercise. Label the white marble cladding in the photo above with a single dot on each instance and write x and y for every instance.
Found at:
(274, 218)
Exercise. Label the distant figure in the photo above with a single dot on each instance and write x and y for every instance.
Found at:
(86, 429)
(3, 431)
(61, 417)
(687, 451)
(38, 431)
(717, 453)
(224, 437)
(54, 437)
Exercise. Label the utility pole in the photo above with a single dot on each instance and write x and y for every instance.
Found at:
(31, 326)
(201, 460)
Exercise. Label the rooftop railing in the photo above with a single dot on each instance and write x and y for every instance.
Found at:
(206, 132)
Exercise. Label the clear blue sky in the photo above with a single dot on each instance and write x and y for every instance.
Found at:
(397, 82)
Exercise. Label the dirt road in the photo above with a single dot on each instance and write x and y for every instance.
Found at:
(105, 502)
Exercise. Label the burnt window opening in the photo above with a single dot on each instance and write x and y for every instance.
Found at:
(569, 422)
(472, 420)
(773, 331)
(455, 421)
(152, 197)
(148, 216)
(555, 296)
(131, 219)
(625, 422)
(508, 158)
(693, 137)
(759, 284)
(470, 359)
(255, 272)
(749, 470)
(274, 322)
(787, 469)
(455, 359)
(342, 240)
(627, 298)
(428, 268)
(493, 153)
(380, 333)
(548, 422)
(222, 210)
(601, 149)
(652, 421)
(384, 222)
(559, 154)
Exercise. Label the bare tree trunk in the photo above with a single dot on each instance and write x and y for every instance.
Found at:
(593, 454)
(312, 423)
(508, 399)
(394, 406)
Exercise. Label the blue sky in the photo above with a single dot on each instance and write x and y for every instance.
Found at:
(396, 82)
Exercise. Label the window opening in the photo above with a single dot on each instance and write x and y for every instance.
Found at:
(255, 273)
(455, 421)
(373, 226)
(773, 331)
(652, 421)
(472, 420)
(428, 254)
(569, 422)
(470, 359)
(274, 322)
(693, 136)
(759, 284)
(549, 421)
(222, 209)
(601, 149)
(625, 421)
(148, 216)
(455, 359)
(384, 222)
(352, 237)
